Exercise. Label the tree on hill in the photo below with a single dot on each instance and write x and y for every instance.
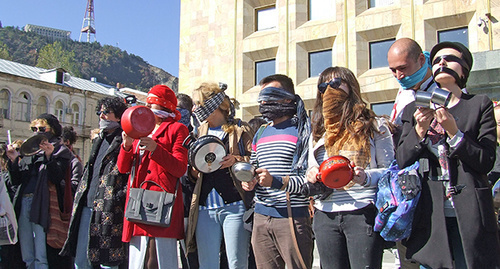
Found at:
(4, 52)
(108, 64)
(54, 56)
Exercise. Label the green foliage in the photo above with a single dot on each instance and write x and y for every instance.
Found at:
(4, 52)
(54, 56)
(108, 64)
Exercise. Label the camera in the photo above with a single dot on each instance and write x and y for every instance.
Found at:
(432, 98)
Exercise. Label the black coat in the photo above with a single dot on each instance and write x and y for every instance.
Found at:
(469, 163)
(105, 244)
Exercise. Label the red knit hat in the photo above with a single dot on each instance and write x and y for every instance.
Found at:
(165, 97)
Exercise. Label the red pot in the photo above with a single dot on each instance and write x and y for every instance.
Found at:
(138, 121)
(335, 172)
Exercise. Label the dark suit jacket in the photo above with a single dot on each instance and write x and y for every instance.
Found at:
(469, 163)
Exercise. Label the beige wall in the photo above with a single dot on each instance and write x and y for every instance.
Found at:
(218, 41)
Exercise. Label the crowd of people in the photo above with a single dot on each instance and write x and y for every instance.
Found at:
(74, 215)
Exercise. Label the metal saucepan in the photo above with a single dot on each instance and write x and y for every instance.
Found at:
(138, 121)
(335, 172)
(205, 153)
(243, 171)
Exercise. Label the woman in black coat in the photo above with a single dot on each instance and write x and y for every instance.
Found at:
(454, 225)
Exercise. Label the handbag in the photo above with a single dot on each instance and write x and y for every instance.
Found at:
(8, 222)
(150, 207)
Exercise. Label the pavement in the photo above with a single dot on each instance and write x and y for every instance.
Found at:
(389, 260)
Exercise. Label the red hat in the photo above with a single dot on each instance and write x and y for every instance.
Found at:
(165, 97)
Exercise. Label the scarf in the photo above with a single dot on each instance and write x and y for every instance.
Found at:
(338, 140)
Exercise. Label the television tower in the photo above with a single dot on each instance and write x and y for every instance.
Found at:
(88, 26)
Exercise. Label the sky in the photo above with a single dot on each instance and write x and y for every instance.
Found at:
(148, 29)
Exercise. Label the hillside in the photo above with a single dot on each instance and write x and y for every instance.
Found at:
(108, 64)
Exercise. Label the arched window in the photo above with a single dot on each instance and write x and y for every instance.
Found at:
(42, 106)
(24, 107)
(59, 110)
(76, 114)
(5, 104)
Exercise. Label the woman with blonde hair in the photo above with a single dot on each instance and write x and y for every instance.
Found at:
(344, 217)
(218, 200)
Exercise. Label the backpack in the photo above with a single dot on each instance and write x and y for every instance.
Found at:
(397, 197)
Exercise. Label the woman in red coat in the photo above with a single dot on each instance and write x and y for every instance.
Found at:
(163, 160)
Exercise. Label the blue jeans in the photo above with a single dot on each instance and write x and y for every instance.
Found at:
(347, 240)
(212, 224)
(32, 238)
(82, 246)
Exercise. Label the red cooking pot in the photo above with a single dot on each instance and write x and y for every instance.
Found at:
(335, 172)
(138, 121)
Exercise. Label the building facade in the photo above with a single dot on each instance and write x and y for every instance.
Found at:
(238, 42)
(26, 92)
(48, 32)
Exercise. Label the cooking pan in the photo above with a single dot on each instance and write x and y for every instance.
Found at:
(205, 153)
(138, 121)
(335, 172)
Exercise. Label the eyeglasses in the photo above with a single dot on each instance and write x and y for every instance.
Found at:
(334, 83)
(40, 129)
(105, 112)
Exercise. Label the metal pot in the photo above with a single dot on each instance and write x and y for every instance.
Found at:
(335, 172)
(205, 153)
(138, 121)
(243, 171)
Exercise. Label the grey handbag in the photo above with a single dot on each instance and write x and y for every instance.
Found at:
(150, 207)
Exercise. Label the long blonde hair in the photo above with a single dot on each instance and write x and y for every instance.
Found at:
(208, 90)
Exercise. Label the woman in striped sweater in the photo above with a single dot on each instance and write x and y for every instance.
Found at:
(344, 217)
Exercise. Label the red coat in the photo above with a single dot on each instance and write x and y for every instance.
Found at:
(164, 166)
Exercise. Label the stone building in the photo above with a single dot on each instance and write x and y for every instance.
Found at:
(241, 41)
(26, 92)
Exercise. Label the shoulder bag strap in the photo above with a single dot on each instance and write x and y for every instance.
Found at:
(292, 230)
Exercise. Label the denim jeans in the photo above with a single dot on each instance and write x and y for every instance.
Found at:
(82, 246)
(347, 240)
(212, 225)
(166, 251)
(32, 238)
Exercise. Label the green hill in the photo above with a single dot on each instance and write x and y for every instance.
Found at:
(108, 64)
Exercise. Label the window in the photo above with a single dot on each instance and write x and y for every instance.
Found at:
(460, 35)
(4, 104)
(267, 18)
(380, 3)
(59, 106)
(319, 61)
(42, 106)
(24, 107)
(76, 114)
(264, 69)
(382, 108)
(378, 53)
(321, 9)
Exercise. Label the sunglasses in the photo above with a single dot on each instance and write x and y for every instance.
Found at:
(334, 83)
(105, 112)
(451, 58)
(40, 129)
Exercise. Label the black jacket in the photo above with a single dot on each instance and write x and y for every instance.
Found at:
(469, 163)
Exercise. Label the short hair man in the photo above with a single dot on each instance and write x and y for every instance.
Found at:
(280, 150)
(100, 198)
(410, 66)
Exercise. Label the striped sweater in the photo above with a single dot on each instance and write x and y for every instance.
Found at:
(274, 150)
